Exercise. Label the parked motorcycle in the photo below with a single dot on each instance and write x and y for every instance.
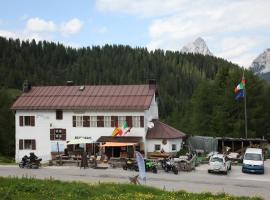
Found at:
(150, 166)
(31, 162)
(168, 166)
(130, 164)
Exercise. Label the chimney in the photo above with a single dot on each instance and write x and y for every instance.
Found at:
(26, 86)
(69, 83)
(152, 83)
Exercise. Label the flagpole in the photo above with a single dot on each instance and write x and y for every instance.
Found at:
(245, 105)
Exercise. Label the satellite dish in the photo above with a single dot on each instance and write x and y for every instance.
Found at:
(150, 125)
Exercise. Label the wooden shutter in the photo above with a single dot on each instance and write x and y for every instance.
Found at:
(114, 121)
(64, 134)
(86, 121)
(51, 134)
(100, 121)
(74, 121)
(129, 121)
(33, 144)
(21, 144)
(141, 121)
(32, 120)
(21, 120)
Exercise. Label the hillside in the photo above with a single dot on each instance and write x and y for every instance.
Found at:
(196, 91)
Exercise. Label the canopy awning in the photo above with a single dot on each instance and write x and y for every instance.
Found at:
(117, 144)
(120, 139)
(81, 141)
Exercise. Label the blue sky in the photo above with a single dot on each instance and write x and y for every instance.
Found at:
(237, 30)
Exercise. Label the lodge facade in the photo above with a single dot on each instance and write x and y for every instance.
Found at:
(47, 117)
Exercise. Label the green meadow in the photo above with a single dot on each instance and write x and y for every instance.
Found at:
(31, 188)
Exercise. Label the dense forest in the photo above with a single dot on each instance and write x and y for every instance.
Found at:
(195, 91)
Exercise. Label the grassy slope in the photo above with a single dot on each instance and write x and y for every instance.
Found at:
(29, 188)
(6, 160)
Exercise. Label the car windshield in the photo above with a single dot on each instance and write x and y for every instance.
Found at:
(216, 159)
(253, 156)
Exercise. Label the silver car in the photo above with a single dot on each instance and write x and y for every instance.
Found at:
(219, 163)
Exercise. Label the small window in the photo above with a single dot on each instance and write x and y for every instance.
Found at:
(57, 134)
(100, 121)
(27, 120)
(173, 147)
(27, 144)
(114, 121)
(79, 121)
(86, 121)
(59, 114)
(107, 121)
(93, 121)
(136, 121)
(121, 121)
(157, 147)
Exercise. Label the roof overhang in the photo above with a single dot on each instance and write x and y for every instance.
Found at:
(120, 139)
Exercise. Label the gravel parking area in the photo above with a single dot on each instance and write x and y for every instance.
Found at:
(235, 183)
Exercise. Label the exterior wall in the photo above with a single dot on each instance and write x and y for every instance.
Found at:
(46, 120)
(167, 147)
(151, 113)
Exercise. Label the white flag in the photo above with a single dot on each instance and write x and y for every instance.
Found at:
(141, 165)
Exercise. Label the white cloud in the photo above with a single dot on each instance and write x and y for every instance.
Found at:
(174, 23)
(71, 27)
(8, 34)
(40, 25)
(24, 35)
(40, 29)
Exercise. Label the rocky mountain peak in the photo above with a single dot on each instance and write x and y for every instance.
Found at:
(197, 46)
(262, 62)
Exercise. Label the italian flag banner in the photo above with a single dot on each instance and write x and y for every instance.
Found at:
(120, 132)
(240, 86)
(126, 129)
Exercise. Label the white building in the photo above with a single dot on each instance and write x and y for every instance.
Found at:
(48, 117)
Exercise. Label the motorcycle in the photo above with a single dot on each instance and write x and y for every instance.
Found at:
(168, 166)
(130, 164)
(150, 166)
(31, 162)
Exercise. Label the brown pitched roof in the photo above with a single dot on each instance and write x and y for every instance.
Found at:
(98, 97)
(163, 131)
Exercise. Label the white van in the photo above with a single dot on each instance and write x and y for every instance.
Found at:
(253, 161)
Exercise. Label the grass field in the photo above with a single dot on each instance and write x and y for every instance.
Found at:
(6, 160)
(30, 188)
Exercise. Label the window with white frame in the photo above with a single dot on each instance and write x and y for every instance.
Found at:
(27, 144)
(27, 120)
(157, 147)
(79, 121)
(93, 121)
(121, 121)
(107, 121)
(136, 121)
(173, 147)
